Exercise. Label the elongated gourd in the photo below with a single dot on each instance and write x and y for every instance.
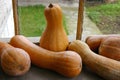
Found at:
(67, 63)
(105, 67)
(54, 37)
(14, 61)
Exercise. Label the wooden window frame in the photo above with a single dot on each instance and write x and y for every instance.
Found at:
(35, 39)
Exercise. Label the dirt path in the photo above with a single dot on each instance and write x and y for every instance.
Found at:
(89, 28)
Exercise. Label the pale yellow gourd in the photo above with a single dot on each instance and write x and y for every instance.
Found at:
(105, 67)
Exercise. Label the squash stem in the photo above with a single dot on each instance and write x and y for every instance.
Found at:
(51, 5)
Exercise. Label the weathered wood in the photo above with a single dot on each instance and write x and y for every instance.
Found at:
(35, 39)
(15, 15)
(80, 20)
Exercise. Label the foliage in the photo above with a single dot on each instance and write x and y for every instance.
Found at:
(106, 16)
(32, 20)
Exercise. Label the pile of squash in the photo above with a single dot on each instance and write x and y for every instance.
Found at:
(49, 54)
(105, 45)
(56, 53)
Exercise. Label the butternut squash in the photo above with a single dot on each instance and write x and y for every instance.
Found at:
(54, 37)
(110, 48)
(67, 63)
(105, 67)
(2, 46)
(14, 61)
(106, 45)
(94, 41)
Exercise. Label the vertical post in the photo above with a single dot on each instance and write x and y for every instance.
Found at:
(15, 15)
(80, 20)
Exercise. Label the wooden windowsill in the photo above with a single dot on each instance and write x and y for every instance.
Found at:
(36, 39)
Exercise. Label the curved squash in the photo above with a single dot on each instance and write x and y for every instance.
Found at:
(67, 63)
(105, 67)
(54, 37)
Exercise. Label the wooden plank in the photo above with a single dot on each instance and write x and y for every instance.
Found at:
(36, 39)
(80, 20)
(15, 15)
(32, 39)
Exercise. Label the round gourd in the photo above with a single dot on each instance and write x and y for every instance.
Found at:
(54, 37)
(15, 61)
(110, 48)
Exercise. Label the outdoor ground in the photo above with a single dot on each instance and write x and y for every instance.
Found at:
(70, 10)
(110, 23)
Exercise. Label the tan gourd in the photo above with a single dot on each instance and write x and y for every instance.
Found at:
(54, 37)
(105, 67)
(67, 63)
(14, 61)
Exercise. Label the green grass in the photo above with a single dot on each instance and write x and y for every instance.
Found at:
(32, 20)
(109, 10)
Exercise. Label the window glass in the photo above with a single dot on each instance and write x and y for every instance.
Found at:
(32, 21)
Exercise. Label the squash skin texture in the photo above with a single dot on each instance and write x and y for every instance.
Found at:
(105, 45)
(105, 67)
(110, 48)
(67, 63)
(14, 61)
(54, 37)
(2, 46)
(94, 41)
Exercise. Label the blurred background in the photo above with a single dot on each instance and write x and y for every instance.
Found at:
(100, 17)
